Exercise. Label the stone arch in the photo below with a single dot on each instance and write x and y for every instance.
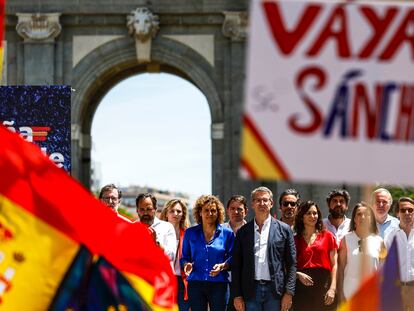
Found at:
(116, 60)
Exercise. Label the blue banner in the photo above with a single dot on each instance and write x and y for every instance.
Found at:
(40, 114)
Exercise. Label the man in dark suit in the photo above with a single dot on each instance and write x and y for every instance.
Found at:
(264, 260)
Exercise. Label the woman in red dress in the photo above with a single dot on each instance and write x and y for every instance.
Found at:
(316, 261)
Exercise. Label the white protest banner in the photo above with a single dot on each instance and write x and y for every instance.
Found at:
(330, 92)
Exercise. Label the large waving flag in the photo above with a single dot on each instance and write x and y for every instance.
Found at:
(57, 243)
(381, 291)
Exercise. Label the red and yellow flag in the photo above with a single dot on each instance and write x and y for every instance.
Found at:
(257, 159)
(46, 218)
(380, 291)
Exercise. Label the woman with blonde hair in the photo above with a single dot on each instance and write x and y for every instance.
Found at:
(175, 212)
(206, 256)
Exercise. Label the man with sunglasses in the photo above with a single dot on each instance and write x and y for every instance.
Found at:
(337, 222)
(288, 202)
(404, 235)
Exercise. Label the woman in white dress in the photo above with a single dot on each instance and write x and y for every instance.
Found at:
(360, 253)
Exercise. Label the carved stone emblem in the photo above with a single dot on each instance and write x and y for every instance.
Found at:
(235, 25)
(142, 24)
(38, 27)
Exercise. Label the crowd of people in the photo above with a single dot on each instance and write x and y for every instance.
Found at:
(300, 262)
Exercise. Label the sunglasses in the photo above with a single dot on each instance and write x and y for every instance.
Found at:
(410, 210)
(287, 203)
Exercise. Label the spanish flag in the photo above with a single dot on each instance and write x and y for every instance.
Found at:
(60, 249)
(2, 15)
(381, 291)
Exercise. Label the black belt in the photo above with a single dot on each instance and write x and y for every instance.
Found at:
(410, 283)
(262, 282)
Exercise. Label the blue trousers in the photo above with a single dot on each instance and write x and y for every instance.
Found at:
(202, 293)
(264, 299)
(183, 305)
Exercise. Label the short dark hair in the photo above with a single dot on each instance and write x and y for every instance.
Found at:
(143, 196)
(372, 226)
(109, 187)
(289, 191)
(400, 200)
(338, 192)
(238, 198)
(302, 209)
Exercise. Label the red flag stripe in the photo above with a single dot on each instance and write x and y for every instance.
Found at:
(42, 189)
(270, 154)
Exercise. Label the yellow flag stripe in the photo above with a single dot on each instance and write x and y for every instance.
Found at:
(346, 306)
(146, 291)
(34, 258)
(256, 157)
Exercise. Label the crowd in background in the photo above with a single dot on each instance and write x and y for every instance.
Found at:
(300, 262)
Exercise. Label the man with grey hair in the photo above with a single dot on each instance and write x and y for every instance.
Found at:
(337, 222)
(381, 204)
(111, 196)
(264, 260)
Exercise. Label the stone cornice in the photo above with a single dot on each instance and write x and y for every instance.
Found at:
(38, 27)
(235, 25)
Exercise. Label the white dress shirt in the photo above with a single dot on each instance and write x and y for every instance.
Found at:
(261, 265)
(166, 237)
(227, 225)
(405, 252)
(341, 231)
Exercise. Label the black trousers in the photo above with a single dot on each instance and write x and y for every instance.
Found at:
(312, 298)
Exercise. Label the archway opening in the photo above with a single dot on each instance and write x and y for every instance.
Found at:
(153, 130)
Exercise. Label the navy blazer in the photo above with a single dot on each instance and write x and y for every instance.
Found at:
(281, 253)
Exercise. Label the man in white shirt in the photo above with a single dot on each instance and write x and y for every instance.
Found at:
(381, 204)
(236, 210)
(164, 231)
(111, 196)
(264, 260)
(337, 222)
(404, 235)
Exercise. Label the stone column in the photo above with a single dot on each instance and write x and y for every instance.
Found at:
(81, 145)
(235, 29)
(39, 31)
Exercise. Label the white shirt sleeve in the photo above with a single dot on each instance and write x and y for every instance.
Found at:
(170, 242)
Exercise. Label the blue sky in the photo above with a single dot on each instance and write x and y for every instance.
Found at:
(154, 130)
